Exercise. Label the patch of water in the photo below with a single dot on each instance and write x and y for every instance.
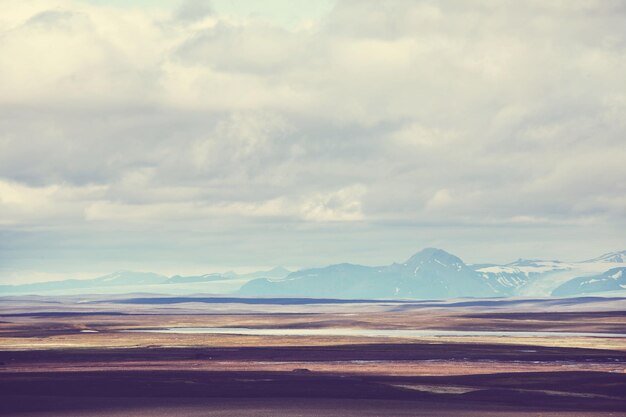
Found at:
(355, 332)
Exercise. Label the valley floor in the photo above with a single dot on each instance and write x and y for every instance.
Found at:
(76, 357)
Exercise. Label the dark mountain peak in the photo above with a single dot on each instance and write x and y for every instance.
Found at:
(433, 255)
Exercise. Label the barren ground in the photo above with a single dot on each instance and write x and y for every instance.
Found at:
(76, 357)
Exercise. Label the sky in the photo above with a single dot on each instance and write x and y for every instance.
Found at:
(200, 136)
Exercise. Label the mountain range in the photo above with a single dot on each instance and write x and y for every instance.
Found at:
(435, 273)
(132, 281)
(429, 274)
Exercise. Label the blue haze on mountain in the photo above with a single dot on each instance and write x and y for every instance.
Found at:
(429, 274)
(611, 280)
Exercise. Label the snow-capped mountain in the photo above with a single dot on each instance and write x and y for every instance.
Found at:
(612, 280)
(431, 273)
(507, 279)
(538, 278)
(513, 277)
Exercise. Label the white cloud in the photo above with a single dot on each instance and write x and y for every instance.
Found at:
(39, 206)
(405, 112)
(340, 205)
(440, 200)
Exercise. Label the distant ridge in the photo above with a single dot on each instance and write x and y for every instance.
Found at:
(613, 257)
(612, 280)
(431, 273)
(131, 281)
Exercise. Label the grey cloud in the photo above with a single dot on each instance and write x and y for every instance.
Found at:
(255, 48)
(193, 10)
(59, 19)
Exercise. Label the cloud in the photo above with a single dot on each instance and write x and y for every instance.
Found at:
(194, 10)
(340, 205)
(377, 114)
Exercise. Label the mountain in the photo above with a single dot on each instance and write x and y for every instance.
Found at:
(342, 280)
(276, 272)
(611, 257)
(508, 280)
(178, 279)
(539, 278)
(130, 281)
(129, 278)
(511, 278)
(431, 273)
(121, 278)
(612, 280)
(435, 273)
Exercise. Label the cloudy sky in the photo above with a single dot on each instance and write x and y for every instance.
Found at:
(197, 136)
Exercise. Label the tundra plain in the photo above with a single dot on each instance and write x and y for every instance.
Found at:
(122, 356)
